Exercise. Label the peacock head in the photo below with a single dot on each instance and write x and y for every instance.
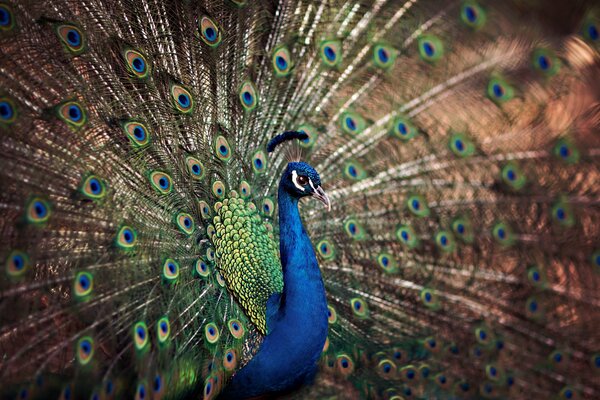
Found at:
(300, 180)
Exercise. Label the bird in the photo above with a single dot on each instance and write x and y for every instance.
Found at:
(337, 199)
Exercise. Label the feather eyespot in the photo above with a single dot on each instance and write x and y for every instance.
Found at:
(38, 211)
(182, 99)
(566, 151)
(72, 113)
(562, 214)
(503, 234)
(85, 350)
(445, 241)
(136, 63)
(158, 386)
(218, 189)
(461, 145)
(126, 238)
(195, 168)
(513, 176)
(591, 31)
(431, 48)
(222, 149)
(546, 62)
(140, 392)
(352, 123)
(344, 365)
(163, 330)
(7, 18)
(137, 133)
(230, 360)
(499, 90)
(282, 63)
(568, 393)
(83, 286)
(170, 270)
(236, 328)
(407, 236)
(403, 128)
(386, 369)
(92, 187)
(141, 338)
(209, 31)
(387, 262)
(211, 333)
(248, 96)
(8, 113)
(326, 249)
(268, 207)
(384, 56)
(72, 38)
(245, 189)
(472, 15)
(359, 307)
(461, 227)
(161, 182)
(408, 373)
(418, 206)
(429, 298)
(259, 162)
(331, 315)
(17, 264)
(331, 52)
(201, 269)
(204, 209)
(185, 223)
(311, 132)
(354, 230)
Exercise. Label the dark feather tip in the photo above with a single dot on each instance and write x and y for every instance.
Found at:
(284, 137)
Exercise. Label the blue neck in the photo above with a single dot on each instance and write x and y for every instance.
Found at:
(297, 319)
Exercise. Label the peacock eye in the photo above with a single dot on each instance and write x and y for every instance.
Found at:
(302, 180)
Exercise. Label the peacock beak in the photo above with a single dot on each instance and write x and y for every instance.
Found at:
(320, 195)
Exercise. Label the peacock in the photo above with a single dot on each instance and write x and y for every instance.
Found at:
(337, 199)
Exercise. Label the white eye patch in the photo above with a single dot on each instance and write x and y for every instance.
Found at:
(295, 180)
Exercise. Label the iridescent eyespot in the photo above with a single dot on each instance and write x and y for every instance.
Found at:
(359, 307)
(326, 345)
(136, 132)
(591, 31)
(218, 189)
(268, 207)
(344, 364)
(209, 31)
(429, 298)
(595, 362)
(513, 176)
(387, 369)
(445, 241)
(140, 392)
(384, 56)
(210, 388)
(282, 63)
(311, 132)
(72, 113)
(185, 223)
(562, 214)
(558, 358)
(221, 280)
(8, 113)
(230, 359)
(461, 145)
(37, 211)
(158, 386)
(248, 96)
(536, 276)
(326, 249)
(182, 99)
(140, 335)
(431, 344)
(403, 128)
(211, 332)
(92, 187)
(472, 14)
(163, 330)
(236, 328)
(85, 350)
(126, 237)
(7, 19)
(546, 62)
(222, 148)
(136, 63)
(407, 236)
(331, 52)
(161, 182)
(418, 206)
(204, 209)
(431, 48)
(83, 285)
(387, 262)
(259, 162)
(568, 393)
(352, 123)
(331, 315)
(66, 393)
(17, 263)
(494, 372)
(532, 307)
(194, 167)
(354, 230)
(170, 270)
(503, 234)
(201, 269)
(210, 254)
(566, 151)
(245, 189)
(442, 381)
(462, 229)
(408, 373)
(499, 90)
(72, 38)
(353, 170)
